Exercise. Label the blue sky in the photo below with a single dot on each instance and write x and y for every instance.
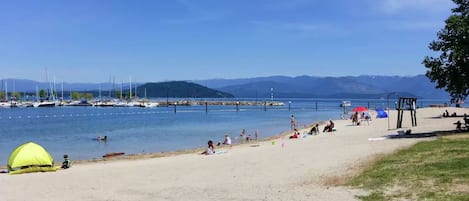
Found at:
(160, 40)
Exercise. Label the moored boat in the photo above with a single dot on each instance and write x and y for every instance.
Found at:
(346, 104)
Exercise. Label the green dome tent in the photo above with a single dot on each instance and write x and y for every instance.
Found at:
(30, 157)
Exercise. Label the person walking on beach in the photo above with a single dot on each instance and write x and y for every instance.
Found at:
(292, 122)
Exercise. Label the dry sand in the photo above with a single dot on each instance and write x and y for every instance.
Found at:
(296, 171)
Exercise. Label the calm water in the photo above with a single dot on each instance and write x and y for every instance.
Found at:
(72, 130)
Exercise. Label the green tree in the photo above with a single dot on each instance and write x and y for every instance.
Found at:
(17, 95)
(42, 93)
(117, 94)
(88, 96)
(75, 95)
(2, 95)
(450, 70)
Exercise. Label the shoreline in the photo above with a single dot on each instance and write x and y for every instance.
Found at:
(292, 169)
(197, 150)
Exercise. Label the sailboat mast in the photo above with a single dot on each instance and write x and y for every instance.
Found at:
(135, 91)
(130, 79)
(62, 90)
(6, 91)
(122, 85)
(37, 93)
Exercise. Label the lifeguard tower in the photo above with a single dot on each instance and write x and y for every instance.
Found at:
(406, 104)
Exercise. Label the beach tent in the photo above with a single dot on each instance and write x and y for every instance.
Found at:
(30, 157)
(380, 113)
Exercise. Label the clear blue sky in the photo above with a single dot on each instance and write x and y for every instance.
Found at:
(160, 40)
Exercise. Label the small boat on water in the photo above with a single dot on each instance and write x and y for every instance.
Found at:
(103, 104)
(5, 104)
(44, 104)
(83, 102)
(346, 104)
(151, 104)
(113, 154)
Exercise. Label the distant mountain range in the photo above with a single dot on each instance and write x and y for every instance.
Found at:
(282, 87)
(328, 87)
(179, 89)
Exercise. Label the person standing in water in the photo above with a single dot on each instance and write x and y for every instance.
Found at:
(292, 122)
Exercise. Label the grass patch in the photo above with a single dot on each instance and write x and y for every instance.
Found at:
(433, 170)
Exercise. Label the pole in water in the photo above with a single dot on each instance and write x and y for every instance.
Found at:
(237, 106)
(289, 104)
(206, 107)
(175, 107)
(265, 105)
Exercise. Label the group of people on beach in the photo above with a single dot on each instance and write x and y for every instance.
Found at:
(358, 118)
(446, 114)
(227, 141)
(466, 123)
(247, 137)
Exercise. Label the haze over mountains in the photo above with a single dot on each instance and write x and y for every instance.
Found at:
(365, 86)
(283, 87)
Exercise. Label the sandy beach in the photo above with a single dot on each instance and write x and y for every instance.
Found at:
(263, 170)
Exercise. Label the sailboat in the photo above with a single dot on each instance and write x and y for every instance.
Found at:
(5, 103)
(43, 103)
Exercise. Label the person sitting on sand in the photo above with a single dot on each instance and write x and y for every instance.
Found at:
(67, 162)
(227, 140)
(210, 149)
(314, 130)
(458, 125)
(295, 135)
(329, 127)
(446, 114)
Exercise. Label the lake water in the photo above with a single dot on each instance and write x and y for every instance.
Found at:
(72, 130)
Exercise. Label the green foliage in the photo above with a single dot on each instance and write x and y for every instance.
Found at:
(2, 95)
(17, 95)
(451, 69)
(78, 96)
(88, 96)
(117, 94)
(374, 196)
(42, 93)
(428, 170)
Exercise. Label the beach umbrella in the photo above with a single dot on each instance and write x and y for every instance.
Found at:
(360, 109)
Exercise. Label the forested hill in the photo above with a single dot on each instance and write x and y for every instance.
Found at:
(179, 89)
